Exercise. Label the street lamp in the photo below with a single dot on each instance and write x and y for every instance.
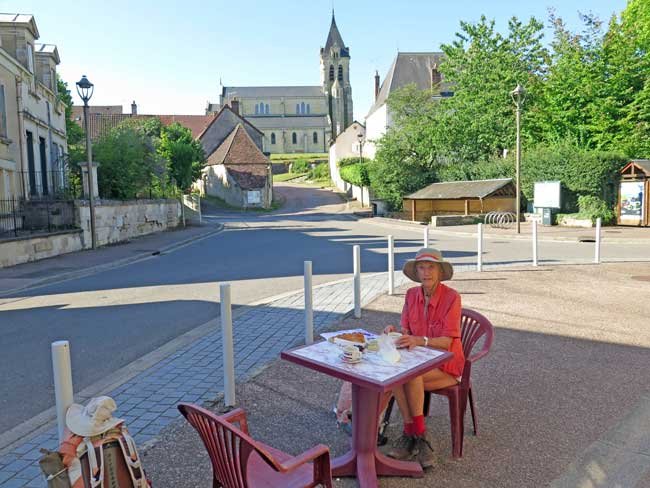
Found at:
(518, 96)
(360, 139)
(85, 90)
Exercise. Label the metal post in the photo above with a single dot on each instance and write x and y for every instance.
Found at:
(534, 243)
(309, 305)
(91, 187)
(183, 209)
(63, 393)
(597, 250)
(227, 341)
(391, 265)
(479, 257)
(426, 235)
(198, 199)
(13, 211)
(356, 250)
(518, 167)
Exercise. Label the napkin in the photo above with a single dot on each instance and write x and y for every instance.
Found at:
(387, 350)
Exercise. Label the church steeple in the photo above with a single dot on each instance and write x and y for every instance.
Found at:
(334, 40)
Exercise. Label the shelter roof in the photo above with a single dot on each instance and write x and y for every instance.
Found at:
(450, 190)
(642, 164)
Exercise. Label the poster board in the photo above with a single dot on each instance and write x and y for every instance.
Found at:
(632, 202)
(254, 197)
(547, 194)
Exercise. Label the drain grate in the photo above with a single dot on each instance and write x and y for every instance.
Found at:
(640, 278)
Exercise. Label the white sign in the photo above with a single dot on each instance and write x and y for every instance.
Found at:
(632, 200)
(254, 196)
(547, 194)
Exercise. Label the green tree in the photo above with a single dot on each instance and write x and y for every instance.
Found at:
(74, 133)
(184, 153)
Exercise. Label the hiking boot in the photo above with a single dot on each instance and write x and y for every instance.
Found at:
(402, 448)
(423, 452)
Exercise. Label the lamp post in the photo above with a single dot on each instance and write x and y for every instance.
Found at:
(518, 96)
(360, 139)
(85, 90)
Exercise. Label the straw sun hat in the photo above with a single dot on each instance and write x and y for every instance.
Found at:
(432, 255)
(93, 419)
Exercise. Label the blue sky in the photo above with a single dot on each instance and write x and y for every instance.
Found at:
(168, 56)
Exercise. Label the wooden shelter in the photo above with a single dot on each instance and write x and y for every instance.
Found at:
(461, 198)
(634, 188)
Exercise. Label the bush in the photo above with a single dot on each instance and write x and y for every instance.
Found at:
(593, 207)
(350, 161)
(320, 172)
(356, 174)
(300, 166)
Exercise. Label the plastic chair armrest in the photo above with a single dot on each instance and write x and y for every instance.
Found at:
(475, 357)
(305, 457)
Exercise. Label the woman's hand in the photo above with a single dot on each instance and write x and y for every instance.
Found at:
(409, 341)
(390, 328)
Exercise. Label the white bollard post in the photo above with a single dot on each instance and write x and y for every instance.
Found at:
(309, 305)
(357, 281)
(227, 341)
(534, 243)
(63, 393)
(426, 235)
(198, 198)
(597, 254)
(479, 257)
(391, 265)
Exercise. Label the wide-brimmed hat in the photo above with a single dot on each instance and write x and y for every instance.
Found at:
(431, 255)
(93, 419)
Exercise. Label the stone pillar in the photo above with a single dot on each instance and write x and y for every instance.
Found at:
(84, 178)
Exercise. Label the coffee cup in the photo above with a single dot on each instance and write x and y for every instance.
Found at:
(394, 336)
(351, 353)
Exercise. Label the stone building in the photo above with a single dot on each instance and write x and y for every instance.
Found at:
(33, 143)
(300, 119)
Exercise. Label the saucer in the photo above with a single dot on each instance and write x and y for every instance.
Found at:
(349, 361)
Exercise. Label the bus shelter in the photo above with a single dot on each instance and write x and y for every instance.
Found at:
(633, 201)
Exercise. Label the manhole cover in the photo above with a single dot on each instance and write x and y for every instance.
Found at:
(641, 278)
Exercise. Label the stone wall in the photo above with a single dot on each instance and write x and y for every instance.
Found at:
(25, 249)
(117, 221)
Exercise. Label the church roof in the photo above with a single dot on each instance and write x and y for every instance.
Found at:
(272, 91)
(296, 122)
(407, 68)
(334, 37)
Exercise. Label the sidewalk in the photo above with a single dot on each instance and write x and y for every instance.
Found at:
(80, 263)
(531, 429)
(614, 234)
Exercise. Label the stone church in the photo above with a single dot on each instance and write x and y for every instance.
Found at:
(299, 119)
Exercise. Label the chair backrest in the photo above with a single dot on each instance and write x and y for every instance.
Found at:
(473, 326)
(228, 446)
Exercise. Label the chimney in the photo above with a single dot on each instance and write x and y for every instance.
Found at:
(376, 84)
(234, 105)
(134, 108)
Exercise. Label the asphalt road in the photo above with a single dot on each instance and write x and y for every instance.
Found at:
(114, 317)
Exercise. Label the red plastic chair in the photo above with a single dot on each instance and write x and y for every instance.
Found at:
(473, 327)
(238, 461)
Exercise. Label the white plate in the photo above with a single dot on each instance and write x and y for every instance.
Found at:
(350, 361)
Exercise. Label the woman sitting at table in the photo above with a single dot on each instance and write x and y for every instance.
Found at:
(430, 318)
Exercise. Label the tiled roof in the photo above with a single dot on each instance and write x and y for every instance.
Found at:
(408, 68)
(450, 190)
(244, 161)
(222, 110)
(196, 123)
(271, 91)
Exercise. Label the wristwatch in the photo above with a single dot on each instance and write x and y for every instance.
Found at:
(426, 341)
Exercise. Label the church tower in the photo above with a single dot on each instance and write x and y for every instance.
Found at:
(335, 80)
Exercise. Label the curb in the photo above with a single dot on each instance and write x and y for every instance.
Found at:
(113, 264)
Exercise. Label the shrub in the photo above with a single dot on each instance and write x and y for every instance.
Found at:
(353, 160)
(356, 174)
(320, 172)
(592, 207)
(300, 166)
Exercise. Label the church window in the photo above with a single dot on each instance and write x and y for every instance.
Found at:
(266, 109)
(272, 137)
(331, 73)
(308, 109)
(315, 137)
(297, 108)
(257, 109)
(340, 73)
(302, 107)
(294, 138)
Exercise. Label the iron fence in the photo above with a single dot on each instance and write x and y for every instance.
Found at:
(57, 184)
(21, 217)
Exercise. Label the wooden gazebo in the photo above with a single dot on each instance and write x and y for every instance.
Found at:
(633, 205)
(461, 198)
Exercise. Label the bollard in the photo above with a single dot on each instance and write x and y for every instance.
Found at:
(391, 265)
(479, 257)
(63, 393)
(534, 243)
(356, 251)
(309, 305)
(426, 235)
(597, 249)
(226, 340)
